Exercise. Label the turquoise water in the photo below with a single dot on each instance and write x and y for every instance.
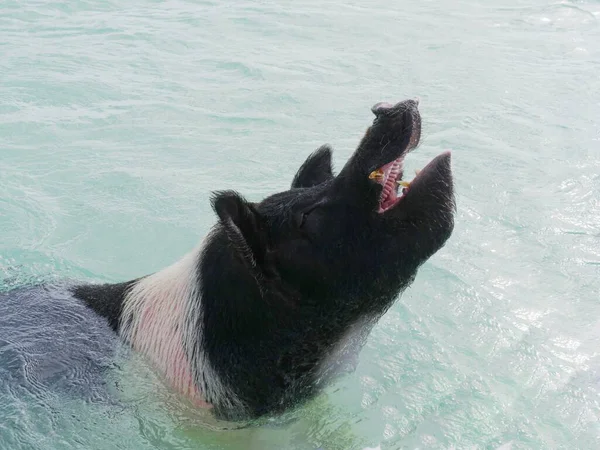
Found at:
(117, 120)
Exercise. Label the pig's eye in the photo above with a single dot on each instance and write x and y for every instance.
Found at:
(302, 217)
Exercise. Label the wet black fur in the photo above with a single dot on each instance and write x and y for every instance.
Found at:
(106, 300)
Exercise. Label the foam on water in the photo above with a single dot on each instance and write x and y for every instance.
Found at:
(117, 119)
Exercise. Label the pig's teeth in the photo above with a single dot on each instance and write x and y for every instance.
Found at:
(403, 183)
(417, 171)
(376, 175)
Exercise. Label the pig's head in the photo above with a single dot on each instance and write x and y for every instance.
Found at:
(352, 241)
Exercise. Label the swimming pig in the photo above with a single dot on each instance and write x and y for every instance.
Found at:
(281, 294)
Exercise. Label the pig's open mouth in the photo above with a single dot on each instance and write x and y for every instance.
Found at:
(390, 175)
(395, 189)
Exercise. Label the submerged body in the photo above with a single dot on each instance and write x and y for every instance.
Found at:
(49, 340)
(282, 294)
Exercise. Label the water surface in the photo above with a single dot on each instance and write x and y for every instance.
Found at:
(117, 120)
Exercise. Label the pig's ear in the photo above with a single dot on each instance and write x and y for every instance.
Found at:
(315, 170)
(243, 225)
